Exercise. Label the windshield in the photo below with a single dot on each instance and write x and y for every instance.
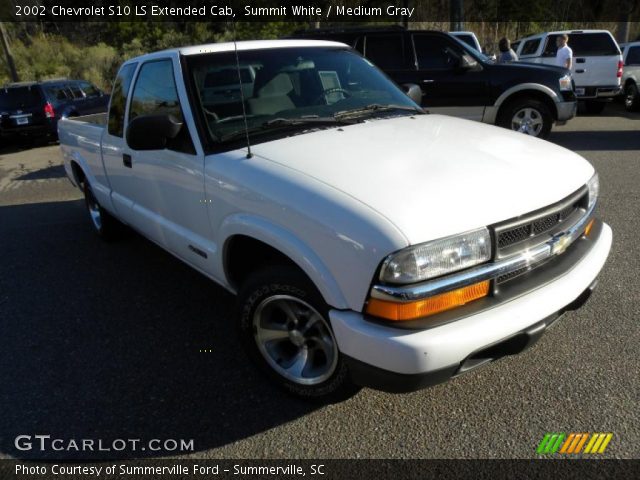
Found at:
(19, 97)
(302, 87)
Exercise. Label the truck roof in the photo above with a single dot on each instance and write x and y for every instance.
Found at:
(243, 45)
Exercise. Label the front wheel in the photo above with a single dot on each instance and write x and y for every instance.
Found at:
(528, 116)
(631, 98)
(284, 325)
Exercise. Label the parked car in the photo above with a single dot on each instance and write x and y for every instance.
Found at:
(368, 243)
(631, 75)
(32, 109)
(597, 62)
(457, 80)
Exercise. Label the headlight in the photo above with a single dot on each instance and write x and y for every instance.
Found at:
(594, 189)
(565, 83)
(432, 259)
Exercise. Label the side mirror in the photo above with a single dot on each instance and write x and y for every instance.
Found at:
(413, 91)
(467, 62)
(151, 132)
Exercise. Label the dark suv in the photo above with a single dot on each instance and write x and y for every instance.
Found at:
(456, 79)
(32, 109)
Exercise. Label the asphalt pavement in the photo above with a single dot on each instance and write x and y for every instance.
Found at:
(123, 341)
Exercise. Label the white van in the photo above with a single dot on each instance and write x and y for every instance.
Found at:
(597, 62)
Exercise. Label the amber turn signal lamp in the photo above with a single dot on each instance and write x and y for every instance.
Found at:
(587, 230)
(428, 306)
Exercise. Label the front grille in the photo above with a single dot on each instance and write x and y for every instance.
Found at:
(545, 221)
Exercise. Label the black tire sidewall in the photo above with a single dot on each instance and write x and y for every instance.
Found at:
(635, 104)
(285, 280)
(109, 229)
(507, 113)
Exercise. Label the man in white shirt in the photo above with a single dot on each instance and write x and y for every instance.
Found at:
(564, 54)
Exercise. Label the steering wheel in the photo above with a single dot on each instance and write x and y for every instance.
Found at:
(328, 91)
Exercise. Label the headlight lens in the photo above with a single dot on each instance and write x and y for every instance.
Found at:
(565, 83)
(432, 259)
(594, 189)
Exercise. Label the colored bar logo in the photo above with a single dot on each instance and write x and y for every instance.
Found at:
(572, 443)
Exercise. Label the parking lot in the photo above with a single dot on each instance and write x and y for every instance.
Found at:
(124, 341)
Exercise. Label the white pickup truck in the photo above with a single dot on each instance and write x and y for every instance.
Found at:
(369, 243)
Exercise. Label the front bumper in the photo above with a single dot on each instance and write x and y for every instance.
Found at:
(397, 359)
(566, 111)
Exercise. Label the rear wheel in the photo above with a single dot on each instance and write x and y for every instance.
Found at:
(103, 223)
(631, 97)
(528, 116)
(284, 326)
(594, 107)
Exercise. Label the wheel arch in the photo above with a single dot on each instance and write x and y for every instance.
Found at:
(524, 90)
(267, 242)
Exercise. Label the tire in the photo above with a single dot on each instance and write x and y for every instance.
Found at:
(527, 115)
(283, 324)
(103, 223)
(594, 107)
(631, 98)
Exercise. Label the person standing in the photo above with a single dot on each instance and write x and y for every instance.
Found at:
(507, 55)
(564, 55)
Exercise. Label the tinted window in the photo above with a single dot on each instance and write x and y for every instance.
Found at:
(56, 92)
(515, 45)
(584, 45)
(228, 76)
(77, 93)
(385, 51)
(530, 47)
(119, 99)
(19, 97)
(155, 93)
(633, 57)
(89, 90)
(435, 52)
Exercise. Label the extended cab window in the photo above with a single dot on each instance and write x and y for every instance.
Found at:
(633, 57)
(386, 51)
(155, 93)
(434, 52)
(119, 99)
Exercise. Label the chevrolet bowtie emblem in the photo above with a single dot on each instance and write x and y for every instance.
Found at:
(559, 244)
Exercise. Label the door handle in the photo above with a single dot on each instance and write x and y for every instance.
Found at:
(581, 60)
(126, 160)
(580, 71)
(428, 81)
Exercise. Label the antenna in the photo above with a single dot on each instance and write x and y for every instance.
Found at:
(244, 113)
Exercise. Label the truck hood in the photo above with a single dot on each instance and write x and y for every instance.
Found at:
(528, 66)
(434, 175)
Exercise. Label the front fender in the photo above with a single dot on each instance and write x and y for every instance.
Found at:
(290, 245)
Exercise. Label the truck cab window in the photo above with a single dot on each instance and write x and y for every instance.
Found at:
(119, 99)
(386, 51)
(155, 93)
(436, 53)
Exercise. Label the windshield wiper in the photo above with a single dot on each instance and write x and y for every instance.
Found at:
(377, 107)
(281, 122)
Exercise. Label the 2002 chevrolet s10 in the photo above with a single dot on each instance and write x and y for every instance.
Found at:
(368, 243)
